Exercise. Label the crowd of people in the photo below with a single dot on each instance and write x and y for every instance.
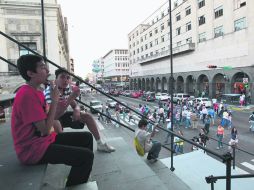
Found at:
(193, 116)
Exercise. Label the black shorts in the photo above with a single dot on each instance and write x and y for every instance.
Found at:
(66, 121)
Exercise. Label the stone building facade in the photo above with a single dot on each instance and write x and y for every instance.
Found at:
(21, 19)
(219, 32)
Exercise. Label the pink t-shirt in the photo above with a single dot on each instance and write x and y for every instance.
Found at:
(29, 107)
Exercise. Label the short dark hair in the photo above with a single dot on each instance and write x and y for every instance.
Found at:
(142, 122)
(28, 63)
(59, 71)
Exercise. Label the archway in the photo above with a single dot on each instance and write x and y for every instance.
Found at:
(218, 85)
(143, 84)
(203, 85)
(190, 82)
(179, 84)
(147, 84)
(238, 86)
(152, 84)
(158, 84)
(139, 84)
(135, 84)
(164, 84)
(131, 84)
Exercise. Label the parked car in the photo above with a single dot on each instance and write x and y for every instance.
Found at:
(148, 96)
(204, 101)
(177, 98)
(96, 106)
(135, 94)
(162, 96)
(127, 93)
(111, 103)
(114, 93)
(84, 89)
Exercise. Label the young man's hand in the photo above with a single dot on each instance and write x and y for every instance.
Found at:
(75, 92)
(54, 93)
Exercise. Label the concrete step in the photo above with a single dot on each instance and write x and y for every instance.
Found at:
(193, 167)
(124, 169)
(14, 175)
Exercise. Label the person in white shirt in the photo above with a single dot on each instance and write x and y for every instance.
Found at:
(150, 146)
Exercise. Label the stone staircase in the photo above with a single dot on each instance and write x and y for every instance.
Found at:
(120, 170)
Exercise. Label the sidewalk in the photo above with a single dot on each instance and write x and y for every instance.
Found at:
(248, 108)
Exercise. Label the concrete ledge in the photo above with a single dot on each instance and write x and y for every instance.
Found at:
(13, 175)
(123, 169)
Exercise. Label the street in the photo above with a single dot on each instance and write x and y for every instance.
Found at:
(244, 160)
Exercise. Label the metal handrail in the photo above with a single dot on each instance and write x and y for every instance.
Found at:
(212, 179)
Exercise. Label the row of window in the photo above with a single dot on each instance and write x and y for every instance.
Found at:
(122, 70)
(122, 64)
(238, 25)
(121, 51)
(218, 12)
(218, 31)
(145, 37)
(201, 20)
(121, 58)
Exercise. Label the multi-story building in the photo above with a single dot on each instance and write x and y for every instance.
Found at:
(22, 21)
(204, 32)
(116, 67)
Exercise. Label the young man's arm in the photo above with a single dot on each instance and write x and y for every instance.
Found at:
(44, 126)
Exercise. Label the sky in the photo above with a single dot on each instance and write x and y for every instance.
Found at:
(97, 26)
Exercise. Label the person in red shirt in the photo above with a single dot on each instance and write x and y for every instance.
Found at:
(31, 126)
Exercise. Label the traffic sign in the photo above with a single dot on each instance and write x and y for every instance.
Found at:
(245, 80)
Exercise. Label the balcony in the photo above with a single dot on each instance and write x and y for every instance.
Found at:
(177, 50)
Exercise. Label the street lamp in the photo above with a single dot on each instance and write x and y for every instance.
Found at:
(171, 84)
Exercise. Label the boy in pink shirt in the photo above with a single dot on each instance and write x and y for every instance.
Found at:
(31, 126)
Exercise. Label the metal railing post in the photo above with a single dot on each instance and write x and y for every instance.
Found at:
(234, 157)
(171, 85)
(43, 30)
(228, 159)
(212, 185)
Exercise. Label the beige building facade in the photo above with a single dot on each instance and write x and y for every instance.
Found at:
(204, 32)
(21, 19)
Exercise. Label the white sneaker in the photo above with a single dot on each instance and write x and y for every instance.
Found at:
(105, 148)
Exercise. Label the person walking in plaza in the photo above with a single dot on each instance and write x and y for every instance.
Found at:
(161, 115)
(32, 123)
(242, 99)
(101, 118)
(168, 128)
(211, 112)
(75, 119)
(233, 140)
(145, 140)
(117, 114)
(188, 119)
(207, 123)
(251, 121)
(204, 113)
(194, 120)
(220, 135)
(108, 118)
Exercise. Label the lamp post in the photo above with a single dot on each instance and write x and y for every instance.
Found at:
(43, 30)
(171, 85)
